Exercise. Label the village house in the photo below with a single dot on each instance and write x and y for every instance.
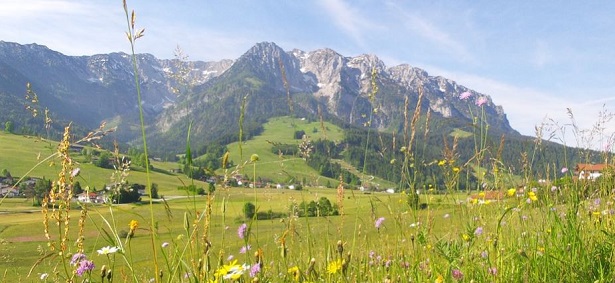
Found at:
(91, 197)
(8, 191)
(589, 171)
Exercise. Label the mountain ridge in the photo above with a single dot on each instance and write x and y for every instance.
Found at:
(267, 79)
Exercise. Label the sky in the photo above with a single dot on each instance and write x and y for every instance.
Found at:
(536, 59)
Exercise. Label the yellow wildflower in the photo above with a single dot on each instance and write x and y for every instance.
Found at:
(465, 237)
(334, 266)
(232, 271)
(511, 192)
(441, 162)
(439, 279)
(294, 271)
(456, 169)
(133, 225)
(532, 196)
(481, 194)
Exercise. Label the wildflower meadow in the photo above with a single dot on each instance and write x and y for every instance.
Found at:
(545, 227)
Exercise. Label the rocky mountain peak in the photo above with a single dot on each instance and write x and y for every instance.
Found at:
(96, 87)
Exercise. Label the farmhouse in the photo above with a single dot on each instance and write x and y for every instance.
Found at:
(8, 191)
(91, 197)
(589, 171)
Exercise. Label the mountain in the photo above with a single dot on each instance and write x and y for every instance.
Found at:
(90, 89)
(266, 81)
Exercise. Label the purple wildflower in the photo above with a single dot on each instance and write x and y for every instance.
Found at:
(245, 249)
(255, 269)
(78, 257)
(484, 254)
(481, 101)
(457, 274)
(242, 231)
(478, 231)
(379, 222)
(85, 265)
(372, 254)
(564, 170)
(493, 271)
(465, 95)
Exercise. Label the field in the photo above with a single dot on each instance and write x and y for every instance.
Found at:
(21, 154)
(546, 234)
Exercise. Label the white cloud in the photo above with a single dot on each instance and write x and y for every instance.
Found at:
(423, 27)
(346, 18)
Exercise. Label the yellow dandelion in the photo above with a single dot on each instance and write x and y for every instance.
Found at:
(334, 266)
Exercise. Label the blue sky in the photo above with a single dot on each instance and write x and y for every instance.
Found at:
(535, 58)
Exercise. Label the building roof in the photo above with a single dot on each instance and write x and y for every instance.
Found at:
(590, 167)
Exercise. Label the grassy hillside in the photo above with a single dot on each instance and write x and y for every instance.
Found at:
(287, 169)
(21, 154)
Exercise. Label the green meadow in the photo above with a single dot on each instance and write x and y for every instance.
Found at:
(544, 234)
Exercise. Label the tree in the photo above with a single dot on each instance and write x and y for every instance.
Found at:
(9, 127)
(77, 188)
(249, 209)
(211, 189)
(104, 160)
(324, 207)
(128, 196)
(154, 193)
(299, 134)
(38, 191)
